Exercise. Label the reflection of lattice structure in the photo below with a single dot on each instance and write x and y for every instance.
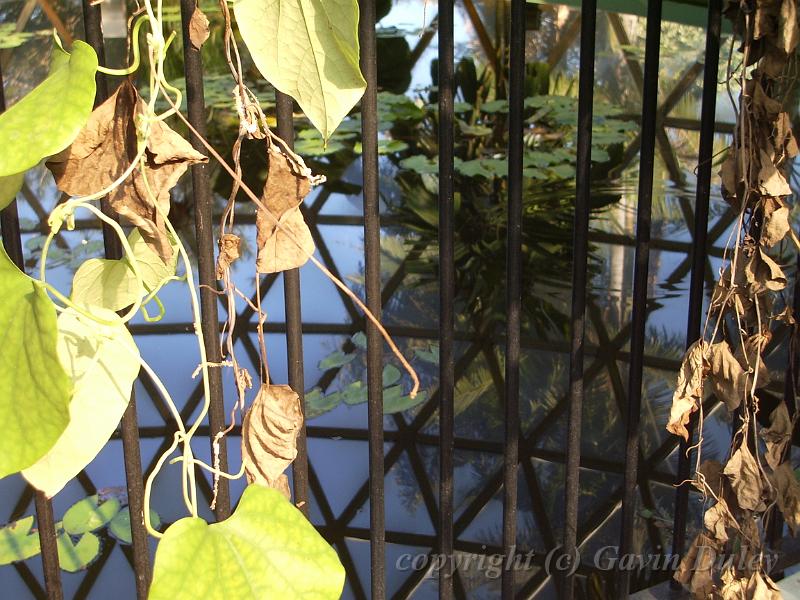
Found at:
(409, 440)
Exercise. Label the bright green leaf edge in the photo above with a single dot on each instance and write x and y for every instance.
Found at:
(47, 120)
(266, 549)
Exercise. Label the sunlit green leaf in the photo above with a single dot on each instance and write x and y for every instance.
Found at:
(120, 525)
(74, 556)
(34, 389)
(267, 549)
(103, 362)
(309, 50)
(90, 514)
(318, 403)
(9, 187)
(17, 542)
(111, 284)
(49, 117)
(420, 164)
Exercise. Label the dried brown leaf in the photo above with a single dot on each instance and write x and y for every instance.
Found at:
(771, 181)
(711, 470)
(717, 520)
(778, 435)
(788, 31)
(229, 250)
(776, 222)
(283, 194)
(749, 354)
(764, 274)
(269, 434)
(732, 180)
(728, 379)
(198, 28)
(788, 494)
(689, 389)
(761, 587)
(733, 588)
(105, 148)
(696, 569)
(745, 479)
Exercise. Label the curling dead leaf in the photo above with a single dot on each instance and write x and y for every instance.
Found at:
(771, 181)
(696, 569)
(105, 148)
(776, 222)
(731, 176)
(777, 435)
(788, 494)
(269, 435)
(786, 316)
(750, 355)
(689, 390)
(745, 478)
(788, 34)
(198, 28)
(717, 520)
(229, 251)
(728, 379)
(761, 587)
(733, 588)
(763, 273)
(283, 195)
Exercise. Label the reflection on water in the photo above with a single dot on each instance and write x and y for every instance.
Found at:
(337, 446)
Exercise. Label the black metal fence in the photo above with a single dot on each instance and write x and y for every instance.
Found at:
(518, 446)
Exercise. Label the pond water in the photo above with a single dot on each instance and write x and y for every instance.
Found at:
(337, 440)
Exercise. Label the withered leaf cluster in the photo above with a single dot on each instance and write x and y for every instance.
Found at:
(108, 145)
(756, 474)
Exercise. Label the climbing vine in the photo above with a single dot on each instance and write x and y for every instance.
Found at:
(748, 307)
(68, 362)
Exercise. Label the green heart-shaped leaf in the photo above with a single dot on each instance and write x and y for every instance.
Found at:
(267, 549)
(103, 361)
(48, 119)
(90, 514)
(309, 50)
(34, 389)
(9, 186)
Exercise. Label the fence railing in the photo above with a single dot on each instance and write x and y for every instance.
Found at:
(516, 447)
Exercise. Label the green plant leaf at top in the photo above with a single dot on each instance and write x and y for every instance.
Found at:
(17, 542)
(103, 361)
(9, 186)
(307, 49)
(90, 514)
(266, 549)
(34, 389)
(48, 119)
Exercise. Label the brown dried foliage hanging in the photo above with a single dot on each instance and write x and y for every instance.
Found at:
(730, 356)
(107, 146)
(269, 436)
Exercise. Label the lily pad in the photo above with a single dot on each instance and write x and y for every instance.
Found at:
(89, 514)
(76, 556)
(18, 542)
(120, 525)
(266, 549)
(335, 360)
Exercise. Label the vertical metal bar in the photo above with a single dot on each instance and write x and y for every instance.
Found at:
(446, 296)
(129, 426)
(513, 289)
(204, 229)
(9, 227)
(580, 254)
(372, 267)
(640, 274)
(294, 327)
(699, 253)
